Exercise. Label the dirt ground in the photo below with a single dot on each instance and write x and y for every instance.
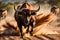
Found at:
(45, 29)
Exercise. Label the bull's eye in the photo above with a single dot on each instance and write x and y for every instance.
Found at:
(28, 14)
(20, 13)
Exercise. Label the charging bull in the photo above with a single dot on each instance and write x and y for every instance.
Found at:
(3, 13)
(25, 17)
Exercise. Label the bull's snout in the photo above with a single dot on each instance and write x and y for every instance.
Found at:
(26, 23)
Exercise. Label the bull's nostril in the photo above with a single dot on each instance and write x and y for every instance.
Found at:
(26, 23)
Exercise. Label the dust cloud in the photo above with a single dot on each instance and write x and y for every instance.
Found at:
(49, 27)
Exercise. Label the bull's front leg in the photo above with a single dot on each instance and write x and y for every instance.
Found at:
(32, 26)
(27, 29)
(21, 33)
(31, 30)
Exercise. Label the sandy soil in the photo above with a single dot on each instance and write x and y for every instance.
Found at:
(47, 28)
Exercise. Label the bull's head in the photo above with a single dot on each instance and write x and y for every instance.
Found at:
(26, 14)
(25, 5)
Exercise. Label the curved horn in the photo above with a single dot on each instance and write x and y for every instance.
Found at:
(36, 10)
(15, 8)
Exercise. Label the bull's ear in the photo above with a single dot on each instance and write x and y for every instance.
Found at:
(33, 13)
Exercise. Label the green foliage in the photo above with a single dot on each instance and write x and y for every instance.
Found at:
(40, 1)
(7, 5)
(2, 5)
(51, 2)
(16, 2)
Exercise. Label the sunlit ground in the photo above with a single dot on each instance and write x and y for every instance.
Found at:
(45, 24)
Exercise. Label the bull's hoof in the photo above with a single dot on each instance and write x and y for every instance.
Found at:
(31, 34)
(24, 27)
(26, 31)
(21, 37)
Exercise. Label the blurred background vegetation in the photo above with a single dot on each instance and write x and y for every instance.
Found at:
(9, 5)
